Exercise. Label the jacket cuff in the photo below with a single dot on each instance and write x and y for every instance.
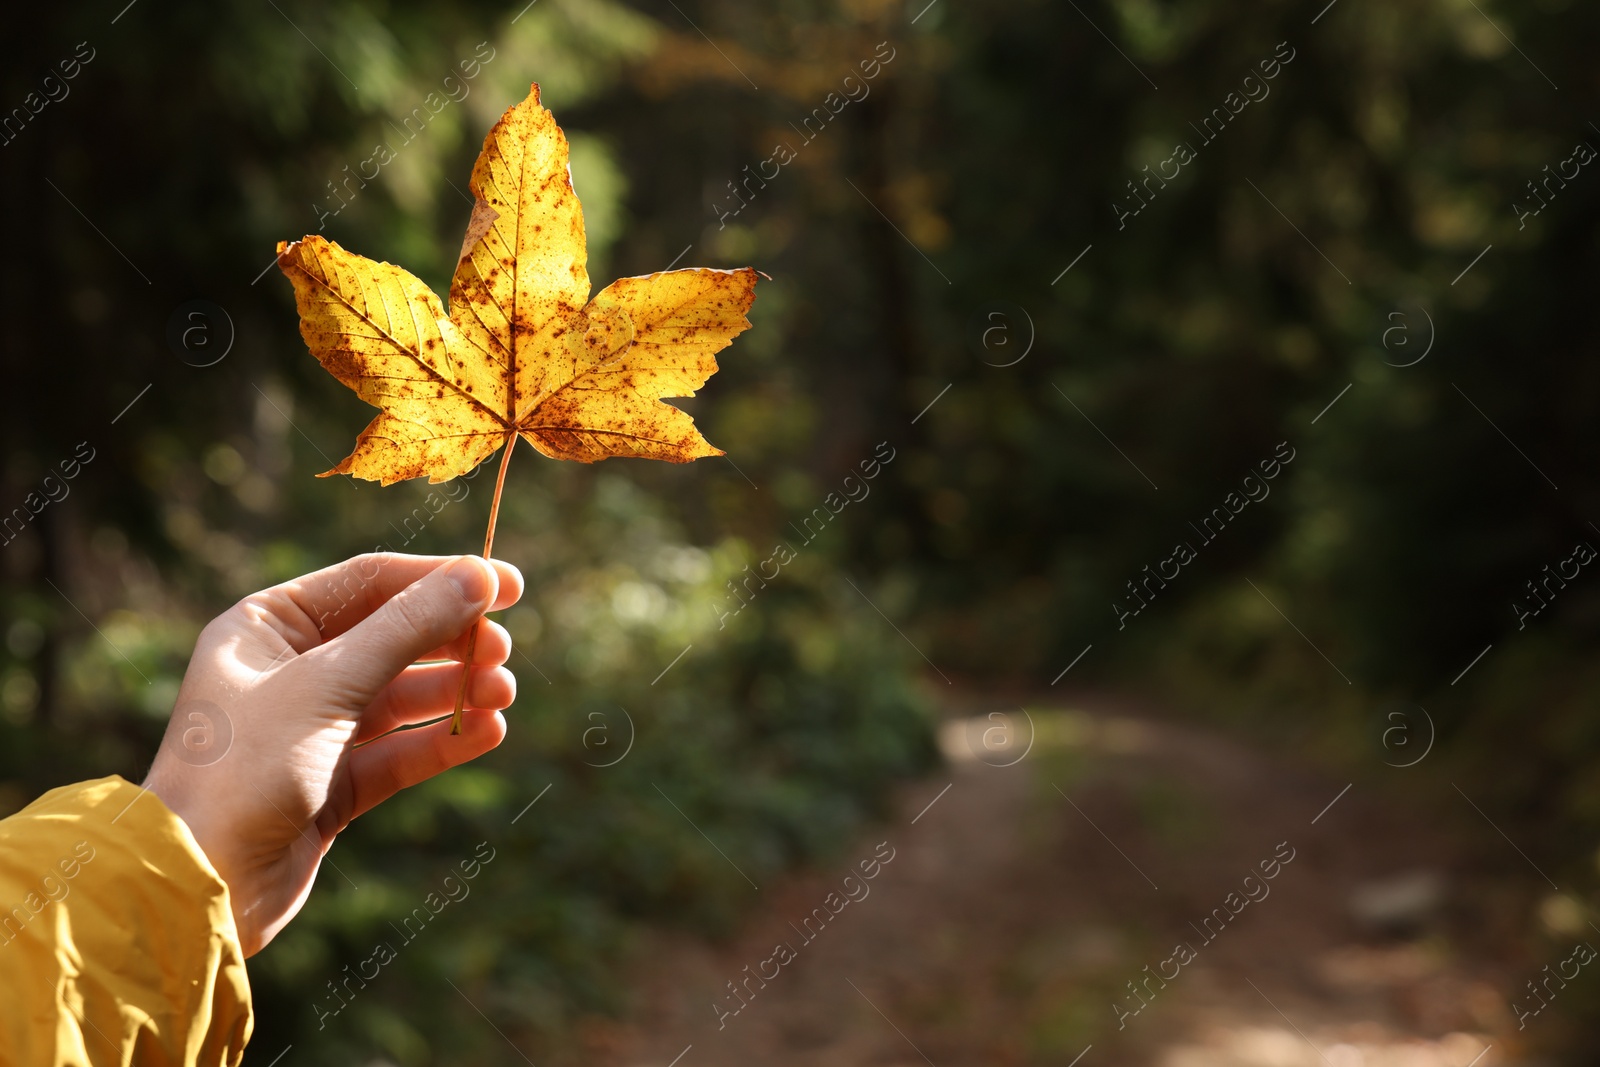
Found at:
(125, 931)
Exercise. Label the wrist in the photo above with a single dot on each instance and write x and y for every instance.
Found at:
(204, 824)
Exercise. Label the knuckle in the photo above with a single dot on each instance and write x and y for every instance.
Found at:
(394, 778)
(411, 614)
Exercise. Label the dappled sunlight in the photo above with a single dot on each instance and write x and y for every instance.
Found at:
(1268, 1046)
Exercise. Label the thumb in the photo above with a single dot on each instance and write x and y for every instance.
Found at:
(426, 614)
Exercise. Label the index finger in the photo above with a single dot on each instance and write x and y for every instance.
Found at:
(336, 598)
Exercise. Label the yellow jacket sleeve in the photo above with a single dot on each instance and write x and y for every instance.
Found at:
(117, 943)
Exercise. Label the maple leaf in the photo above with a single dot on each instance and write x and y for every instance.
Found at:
(524, 350)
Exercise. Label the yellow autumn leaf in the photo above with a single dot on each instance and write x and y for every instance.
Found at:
(523, 349)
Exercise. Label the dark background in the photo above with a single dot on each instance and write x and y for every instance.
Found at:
(1362, 213)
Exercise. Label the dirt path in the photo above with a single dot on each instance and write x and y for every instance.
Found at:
(1021, 901)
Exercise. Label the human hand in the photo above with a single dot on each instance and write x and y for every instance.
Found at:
(305, 672)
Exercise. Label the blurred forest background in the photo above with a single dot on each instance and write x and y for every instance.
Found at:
(1376, 200)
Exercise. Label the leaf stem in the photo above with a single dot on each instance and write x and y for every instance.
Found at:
(488, 547)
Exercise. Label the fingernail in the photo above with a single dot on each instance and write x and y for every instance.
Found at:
(471, 578)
